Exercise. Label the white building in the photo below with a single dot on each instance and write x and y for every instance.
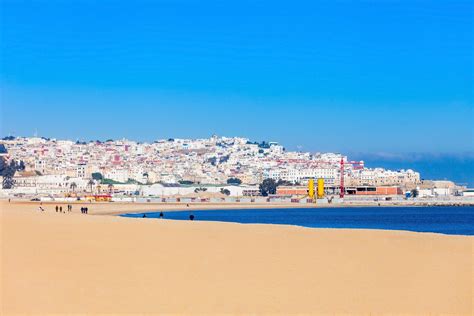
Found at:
(119, 175)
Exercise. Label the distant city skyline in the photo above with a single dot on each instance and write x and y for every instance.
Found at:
(389, 77)
(458, 167)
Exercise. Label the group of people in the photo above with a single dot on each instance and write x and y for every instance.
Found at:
(84, 210)
(60, 208)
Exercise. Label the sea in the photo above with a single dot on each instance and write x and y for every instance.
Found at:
(457, 168)
(455, 220)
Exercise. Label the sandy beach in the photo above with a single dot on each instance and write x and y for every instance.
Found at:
(74, 263)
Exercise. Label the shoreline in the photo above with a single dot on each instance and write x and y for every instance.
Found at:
(127, 215)
(121, 209)
(102, 208)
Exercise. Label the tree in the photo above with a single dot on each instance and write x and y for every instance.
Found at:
(109, 181)
(3, 149)
(21, 166)
(234, 181)
(225, 191)
(224, 159)
(91, 184)
(13, 165)
(8, 182)
(414, 193)
(73, 186)
(264, 144)
(97, 176)
(212, 161)
(7, 171)
(3, 166)
(268, 186)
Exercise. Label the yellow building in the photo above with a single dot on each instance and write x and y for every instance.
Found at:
(311, 188)
(320, 188)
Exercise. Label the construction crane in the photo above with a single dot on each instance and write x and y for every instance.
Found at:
(342, 189)
(342, 163)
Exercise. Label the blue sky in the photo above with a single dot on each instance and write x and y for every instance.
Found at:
(345, 76)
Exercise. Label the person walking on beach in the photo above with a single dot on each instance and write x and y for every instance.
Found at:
(82, 210)
(60, 209)
(57, 208)
(86, 210)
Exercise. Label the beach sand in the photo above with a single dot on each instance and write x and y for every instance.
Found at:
(74, 263)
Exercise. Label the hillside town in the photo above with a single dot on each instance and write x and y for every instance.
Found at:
(214, 167)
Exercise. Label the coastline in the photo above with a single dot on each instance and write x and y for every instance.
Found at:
(122, 208)
(71, 263)
(419, 219)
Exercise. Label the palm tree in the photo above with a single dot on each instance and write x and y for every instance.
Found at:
(91, 184)
(73, 186)
(111, 188)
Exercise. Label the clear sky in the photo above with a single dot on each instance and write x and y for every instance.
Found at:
(345, 76)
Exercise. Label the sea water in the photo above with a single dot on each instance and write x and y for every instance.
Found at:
(435, 219)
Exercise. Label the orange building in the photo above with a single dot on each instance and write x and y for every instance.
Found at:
(287, 190)
(99, 198)
(360, 190)
(369, 190)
